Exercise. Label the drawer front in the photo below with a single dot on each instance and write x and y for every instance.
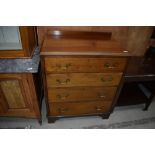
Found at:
(83, 108)
(72, 65)
(76, 94)
(83, 79)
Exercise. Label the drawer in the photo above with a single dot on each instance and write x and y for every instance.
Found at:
(83, 108)
(72, 65)
(83, 79)
(76, 94)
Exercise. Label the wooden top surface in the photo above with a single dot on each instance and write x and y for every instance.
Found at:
(81, 43)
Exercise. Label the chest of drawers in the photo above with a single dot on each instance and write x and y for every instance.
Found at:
(81, 76)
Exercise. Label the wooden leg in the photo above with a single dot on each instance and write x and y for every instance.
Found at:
(105, 116)
(147, 106)
(52, 119)
(40, 121)
(148, 103)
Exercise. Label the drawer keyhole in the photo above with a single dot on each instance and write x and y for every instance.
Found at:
(62, 110)
(101, 95)
(108, 80)
(110, 66)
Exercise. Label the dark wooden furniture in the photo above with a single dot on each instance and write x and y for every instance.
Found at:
(26, 38)
(82, 72)
(18, 96)
(20, 91)
(137, 93)
(139, 81)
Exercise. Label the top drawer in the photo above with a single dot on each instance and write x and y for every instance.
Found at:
(75, 65)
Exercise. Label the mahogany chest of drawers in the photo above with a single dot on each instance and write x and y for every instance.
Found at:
(81, 74)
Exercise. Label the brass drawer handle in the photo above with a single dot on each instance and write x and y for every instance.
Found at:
(110, 66)
(63, 82)
(98, 109)
(62, 97)
(65, 67)
(102, 79)
(101, 95)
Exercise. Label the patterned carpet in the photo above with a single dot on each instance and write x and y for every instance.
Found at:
(136, 124)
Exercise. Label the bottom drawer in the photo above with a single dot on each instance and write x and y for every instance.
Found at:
(84, 108)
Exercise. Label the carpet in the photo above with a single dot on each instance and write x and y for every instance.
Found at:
(139, 124)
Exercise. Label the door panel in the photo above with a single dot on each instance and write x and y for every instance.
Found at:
(13, 94)
(17, 96)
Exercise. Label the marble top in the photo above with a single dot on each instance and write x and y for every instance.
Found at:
(21, 65)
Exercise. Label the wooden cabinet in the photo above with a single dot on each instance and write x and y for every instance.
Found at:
(17, 41)
(18, 96)
(139, 81)
(82, 72)
(18, 91)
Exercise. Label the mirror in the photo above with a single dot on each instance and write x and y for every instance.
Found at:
(10, 38)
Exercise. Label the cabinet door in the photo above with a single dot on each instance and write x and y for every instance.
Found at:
(17, 97)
